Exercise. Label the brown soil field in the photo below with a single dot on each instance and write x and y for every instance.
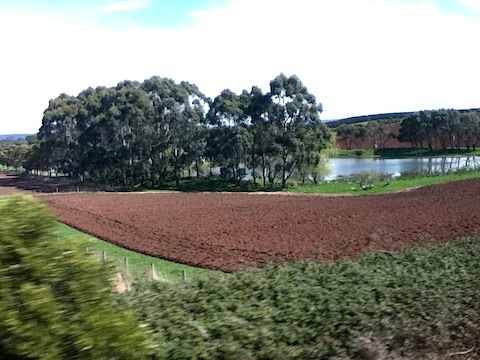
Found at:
(28, 183)
(239, 230)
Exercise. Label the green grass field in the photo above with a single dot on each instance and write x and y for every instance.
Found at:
(379, 185)
(138, 264)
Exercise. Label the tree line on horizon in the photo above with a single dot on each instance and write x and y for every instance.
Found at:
(151, 132)
(435, 129)
(444, 128)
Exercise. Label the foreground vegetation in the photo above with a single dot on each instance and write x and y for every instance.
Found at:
(424, 300)
(56, 303)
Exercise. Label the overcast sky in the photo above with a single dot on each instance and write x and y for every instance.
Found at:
(356, 56)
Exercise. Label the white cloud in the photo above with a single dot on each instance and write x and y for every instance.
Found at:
(356, 56)
(127, 5)
(471, 4)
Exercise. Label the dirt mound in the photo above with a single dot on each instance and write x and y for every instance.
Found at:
(231, 231)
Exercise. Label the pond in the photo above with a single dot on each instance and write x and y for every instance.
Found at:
(437, 165)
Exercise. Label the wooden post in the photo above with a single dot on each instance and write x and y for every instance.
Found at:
(126, 264)
(184, 275)
(78, 189)
(56, 190)
(104, 256)
(152, 273)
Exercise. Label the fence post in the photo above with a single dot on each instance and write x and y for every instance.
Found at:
(184, 275)
(126, 265)
(104, 256)
(153, 275)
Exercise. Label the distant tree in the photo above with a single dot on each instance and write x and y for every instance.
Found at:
(16, 155)
(352, 135)
(379, 132)
(470, 125)
(440, 128)
(360, 134)
(345, 135)
(412, 130)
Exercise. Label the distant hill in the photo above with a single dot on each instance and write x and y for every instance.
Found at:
(393, 117)
(14, 136)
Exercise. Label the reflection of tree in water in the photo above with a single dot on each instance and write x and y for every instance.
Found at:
(446, 165)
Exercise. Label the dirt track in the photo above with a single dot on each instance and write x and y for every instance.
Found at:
(228, 231)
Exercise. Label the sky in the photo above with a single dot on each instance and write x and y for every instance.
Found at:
(358, 57)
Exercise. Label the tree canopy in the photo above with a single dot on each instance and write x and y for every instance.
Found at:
(147, 133)
(442, 129)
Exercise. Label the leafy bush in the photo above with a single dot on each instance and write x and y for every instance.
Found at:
(423, 301)
(56, 302)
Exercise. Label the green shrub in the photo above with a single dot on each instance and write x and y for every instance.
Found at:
(422, 302)
(55, 301)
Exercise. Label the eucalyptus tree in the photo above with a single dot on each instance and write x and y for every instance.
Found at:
(178, 118)
(470, 123)
(108, 131)
(15, 155)
(293, 108)
(230, 137)
(445, 128)
(412, 130)
(262, 141)
(308, 154)
(379, 132)
(131, 112)
(59, 134)
(346, 135)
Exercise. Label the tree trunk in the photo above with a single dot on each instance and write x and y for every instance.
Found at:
(254, 174)
(264, 171)
(284, 170)
(197, 169)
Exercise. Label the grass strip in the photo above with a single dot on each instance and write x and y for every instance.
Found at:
(382, 186)
(138, 264)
